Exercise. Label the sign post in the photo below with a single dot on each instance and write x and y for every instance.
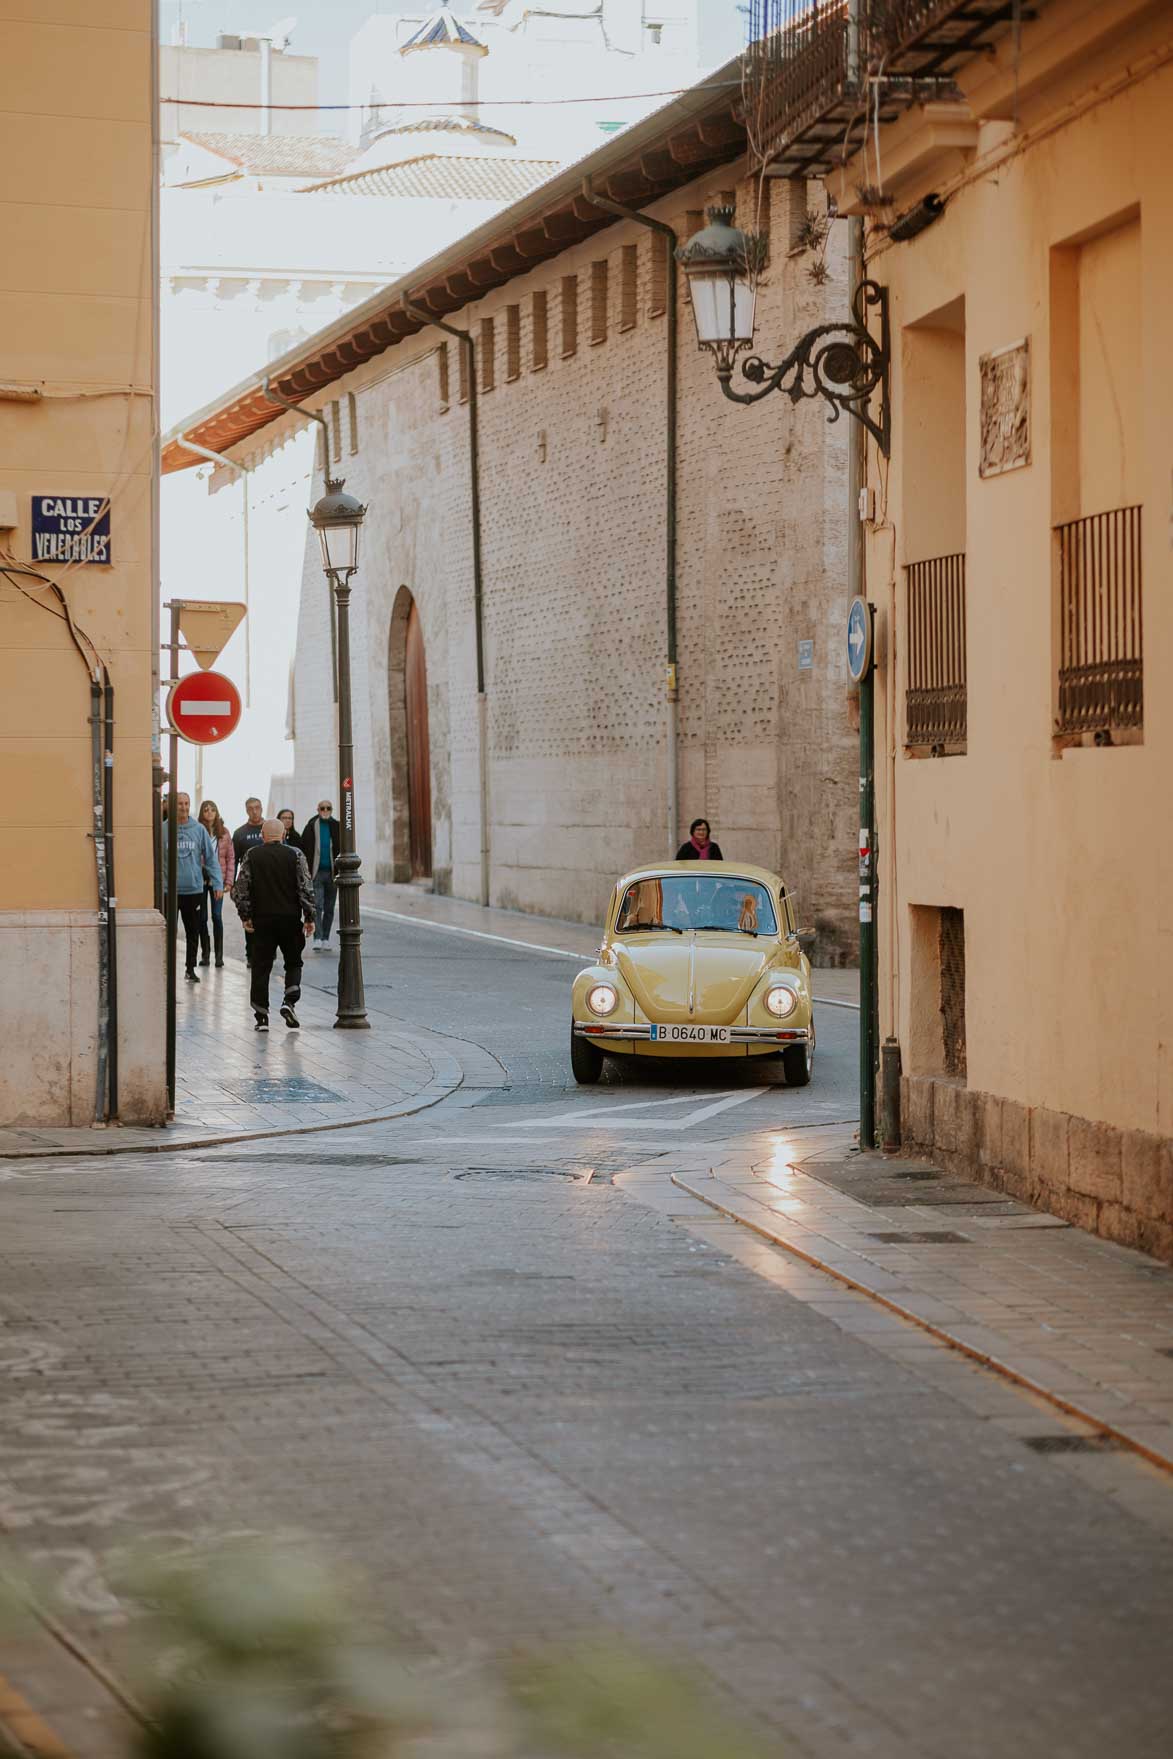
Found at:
(203, 709)
(860, 665)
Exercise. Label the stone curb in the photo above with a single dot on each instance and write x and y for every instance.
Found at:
(939, 1332)
(447, 1076)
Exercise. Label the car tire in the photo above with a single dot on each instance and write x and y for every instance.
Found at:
(586, 1059)
(798, 1063)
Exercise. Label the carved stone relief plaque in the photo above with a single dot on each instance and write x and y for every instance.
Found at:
(1005, 409)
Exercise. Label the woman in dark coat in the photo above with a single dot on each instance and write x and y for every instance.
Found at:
(700, 846)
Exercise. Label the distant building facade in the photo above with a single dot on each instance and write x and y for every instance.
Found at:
(570, 333)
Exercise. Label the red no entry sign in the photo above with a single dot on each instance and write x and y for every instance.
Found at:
(204, 708)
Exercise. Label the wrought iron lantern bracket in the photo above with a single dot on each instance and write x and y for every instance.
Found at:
(844, 364)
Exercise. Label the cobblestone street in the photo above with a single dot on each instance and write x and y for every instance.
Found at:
(494, 1356)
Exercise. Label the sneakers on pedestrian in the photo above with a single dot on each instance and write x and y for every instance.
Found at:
(262, 1021)
(288, 1015)
(192, 976)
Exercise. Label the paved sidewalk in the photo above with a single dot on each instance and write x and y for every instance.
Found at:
(234, 1082)
(1086, 1323)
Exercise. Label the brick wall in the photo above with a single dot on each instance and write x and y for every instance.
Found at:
(573, 509)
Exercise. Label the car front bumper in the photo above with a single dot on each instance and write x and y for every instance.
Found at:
(780, 1035)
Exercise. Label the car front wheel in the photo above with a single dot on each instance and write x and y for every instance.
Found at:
(798, 1062)
(586, 1059)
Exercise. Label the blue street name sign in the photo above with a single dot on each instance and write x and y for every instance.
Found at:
(72, 528)
(806, 656)
(859, 640)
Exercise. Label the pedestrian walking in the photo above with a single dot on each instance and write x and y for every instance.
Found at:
(196, 868)
(320, 843)
(285, 817)
(275, 900)
(226, 856)
(700, 846)
(245, 837)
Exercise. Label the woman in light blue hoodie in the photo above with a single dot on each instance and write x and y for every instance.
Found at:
(197, 865)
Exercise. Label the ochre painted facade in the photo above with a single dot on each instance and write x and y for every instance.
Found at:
(1036, 1026)
(77, 328)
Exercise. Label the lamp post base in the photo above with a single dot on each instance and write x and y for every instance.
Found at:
(352, 1003)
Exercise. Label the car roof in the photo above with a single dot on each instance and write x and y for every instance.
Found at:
(724, 869)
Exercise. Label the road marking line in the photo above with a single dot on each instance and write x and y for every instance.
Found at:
(476, 934)
(481, 934)
(597, 1120)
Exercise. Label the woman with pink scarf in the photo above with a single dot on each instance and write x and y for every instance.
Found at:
(700, 846)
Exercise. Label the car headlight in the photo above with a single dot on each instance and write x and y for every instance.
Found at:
(602, 999)
(781, 1001)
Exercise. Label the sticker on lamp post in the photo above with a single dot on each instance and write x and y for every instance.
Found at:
(859, 640)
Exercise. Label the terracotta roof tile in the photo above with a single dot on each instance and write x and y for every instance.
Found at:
(278, 155)
(444, 178)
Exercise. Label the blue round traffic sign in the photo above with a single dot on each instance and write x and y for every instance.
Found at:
(859, 640)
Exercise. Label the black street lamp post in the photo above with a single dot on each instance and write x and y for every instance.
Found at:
(337, 519)
(843, 363)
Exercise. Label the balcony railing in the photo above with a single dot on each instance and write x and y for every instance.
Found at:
(936, 701)
(811, 68)
(1101, 636)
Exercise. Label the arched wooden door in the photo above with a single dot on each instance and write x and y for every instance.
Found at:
(419, 763)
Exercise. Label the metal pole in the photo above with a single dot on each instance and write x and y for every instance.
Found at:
(867, 909)
(172, 865)
(352, 1006)
(856, 585)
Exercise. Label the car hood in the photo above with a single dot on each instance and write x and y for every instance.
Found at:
(716, 972)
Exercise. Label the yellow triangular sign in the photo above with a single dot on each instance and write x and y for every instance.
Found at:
(207, 625)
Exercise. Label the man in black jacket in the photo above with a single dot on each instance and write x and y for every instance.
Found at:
(321, 844)
(273, 894)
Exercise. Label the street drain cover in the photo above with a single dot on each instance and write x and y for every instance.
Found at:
(1073, 1444)
(272, 1090)
(515, 1173)
(929, 1237)
(920, 1174)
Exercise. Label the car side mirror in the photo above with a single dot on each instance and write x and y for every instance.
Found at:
(805, 938)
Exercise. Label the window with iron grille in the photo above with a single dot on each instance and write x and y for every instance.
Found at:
(628, 287)
(658, 276)
(442, 374)
(1100, 681)
(488, 356)
(952, 955)
(936, 693)
(540, 333)
(352, 420)
(512, 342)
(335, 430)
(694, 219)
(599, 301)
(462, 353)
(569, 315)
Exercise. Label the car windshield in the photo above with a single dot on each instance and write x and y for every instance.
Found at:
(709, 901)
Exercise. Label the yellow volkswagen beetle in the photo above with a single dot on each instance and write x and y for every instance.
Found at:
(697, 960)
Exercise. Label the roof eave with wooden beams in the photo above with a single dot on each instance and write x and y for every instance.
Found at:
(694, 134)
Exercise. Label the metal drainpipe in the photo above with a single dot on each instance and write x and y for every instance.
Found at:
(111, 900)
(474, 460)
(242, 470)
(99, 834)
(672, 680)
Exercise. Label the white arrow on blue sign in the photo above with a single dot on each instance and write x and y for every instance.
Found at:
(859, 640)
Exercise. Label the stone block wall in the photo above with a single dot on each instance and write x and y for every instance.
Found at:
(1114, 1182)
(573, 481)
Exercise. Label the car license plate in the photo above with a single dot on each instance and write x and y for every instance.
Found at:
(690, 1034)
